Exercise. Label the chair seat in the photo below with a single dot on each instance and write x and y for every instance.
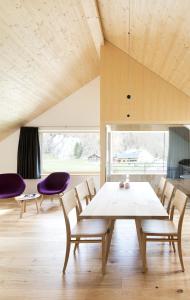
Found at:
(10, 195)
(158, 227)
(51, 192)
(90, 228)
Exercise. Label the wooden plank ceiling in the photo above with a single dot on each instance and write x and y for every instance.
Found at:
(160, 35)
(46, 53)
(49, 48)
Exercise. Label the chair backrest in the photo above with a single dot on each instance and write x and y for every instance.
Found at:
(91, 187)
(69, 202)
(57, 179)
(167, 195)
(11, 185)
(161, 187)
(82, 193)
(179, 203)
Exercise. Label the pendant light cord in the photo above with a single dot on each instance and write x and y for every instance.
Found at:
(129, 44)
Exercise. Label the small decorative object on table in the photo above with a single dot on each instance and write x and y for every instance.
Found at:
(121, 184)
(127, 184)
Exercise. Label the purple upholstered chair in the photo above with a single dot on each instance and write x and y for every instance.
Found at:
(53, 184)
(11, 185)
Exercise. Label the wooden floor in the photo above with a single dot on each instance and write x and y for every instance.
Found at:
(32, 254)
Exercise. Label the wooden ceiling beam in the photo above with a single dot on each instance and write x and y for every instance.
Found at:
(93, 18)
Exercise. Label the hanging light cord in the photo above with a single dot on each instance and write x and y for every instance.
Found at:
(129, 47)
(129, 27)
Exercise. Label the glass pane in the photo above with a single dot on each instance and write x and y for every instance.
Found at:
(71, 152)
(139, 152)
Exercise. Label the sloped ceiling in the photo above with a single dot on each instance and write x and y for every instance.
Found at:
(46, 53)
(159, 35)
(49, 48)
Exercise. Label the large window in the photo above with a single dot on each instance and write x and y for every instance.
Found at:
(139, 152)
(75, 151)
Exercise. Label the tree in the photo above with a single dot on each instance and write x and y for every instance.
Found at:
(78, 149)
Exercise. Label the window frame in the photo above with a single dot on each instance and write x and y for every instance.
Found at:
(138, 173)
(67, 130)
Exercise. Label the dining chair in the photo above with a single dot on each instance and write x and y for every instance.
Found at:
(82, 194)
(85, 231)
(161, 188)
(168, 195)
(91, 187)
(165, 230)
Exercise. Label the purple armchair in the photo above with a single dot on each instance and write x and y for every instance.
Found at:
(11, 185)
(54, 184)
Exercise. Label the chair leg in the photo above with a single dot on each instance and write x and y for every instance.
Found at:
(103, 254)
(67, 255)
(169, 236)
(173, 244)
(76, 244)
(42, 199)
(144, 253)
(37, 206)
(180, 254)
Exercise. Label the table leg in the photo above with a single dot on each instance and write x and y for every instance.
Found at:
(138, 228)
(109, 237)
(21, 208)
(139, 234)
(24, 206)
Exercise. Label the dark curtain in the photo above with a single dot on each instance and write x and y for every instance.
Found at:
(179, 151)
(28, 158)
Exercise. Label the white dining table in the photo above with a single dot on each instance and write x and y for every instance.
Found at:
(137, 202)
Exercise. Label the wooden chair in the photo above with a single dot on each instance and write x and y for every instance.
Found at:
(91, 187)
(168, 195)
(161, 188)
(82, 194)
(85, 231)
(165, 230)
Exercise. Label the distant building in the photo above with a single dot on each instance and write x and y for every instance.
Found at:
(94, 157)
(127, 156)
(133, 155)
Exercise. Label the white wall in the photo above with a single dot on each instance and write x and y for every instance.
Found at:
(81, 109)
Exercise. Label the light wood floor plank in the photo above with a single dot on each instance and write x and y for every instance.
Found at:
(32, 254)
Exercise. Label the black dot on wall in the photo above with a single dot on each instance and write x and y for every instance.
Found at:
(128, 115)
(128, 96)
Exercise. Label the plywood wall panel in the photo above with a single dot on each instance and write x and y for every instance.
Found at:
(154, 101)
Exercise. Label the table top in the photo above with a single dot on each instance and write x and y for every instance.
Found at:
(27, 197)
(139, 201)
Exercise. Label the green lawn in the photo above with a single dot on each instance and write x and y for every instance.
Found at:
(71, 165)
(81, 166)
